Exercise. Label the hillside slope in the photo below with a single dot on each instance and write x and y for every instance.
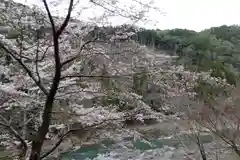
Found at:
(106, 76)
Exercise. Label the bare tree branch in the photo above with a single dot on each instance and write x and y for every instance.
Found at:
(50, 16)
(103, 76)
(114, 10)
(79, 91)
(36, 62)
(28, 121)
(6, 124)
(29, 72)
(44, 54)
(75, 57)
(65, 23)
(72, 131)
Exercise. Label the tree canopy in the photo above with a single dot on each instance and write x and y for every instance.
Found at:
(215, 49)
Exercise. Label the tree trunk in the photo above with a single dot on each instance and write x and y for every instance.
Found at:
(24, 130)
(36, 150)
(203, 154)
(37, 143)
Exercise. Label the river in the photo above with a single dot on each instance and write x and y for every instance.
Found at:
(167, 148)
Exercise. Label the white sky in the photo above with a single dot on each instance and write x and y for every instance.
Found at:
(191, 14)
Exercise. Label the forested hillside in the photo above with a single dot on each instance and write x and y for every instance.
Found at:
(216, 49)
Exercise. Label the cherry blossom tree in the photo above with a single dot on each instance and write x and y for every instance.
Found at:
(44, 71)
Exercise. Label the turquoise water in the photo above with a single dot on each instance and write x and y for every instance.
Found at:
(89, 151)
(108, 147)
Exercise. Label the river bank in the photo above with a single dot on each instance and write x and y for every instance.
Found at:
(164, 141)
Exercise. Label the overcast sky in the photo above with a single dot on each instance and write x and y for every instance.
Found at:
(191, 14)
